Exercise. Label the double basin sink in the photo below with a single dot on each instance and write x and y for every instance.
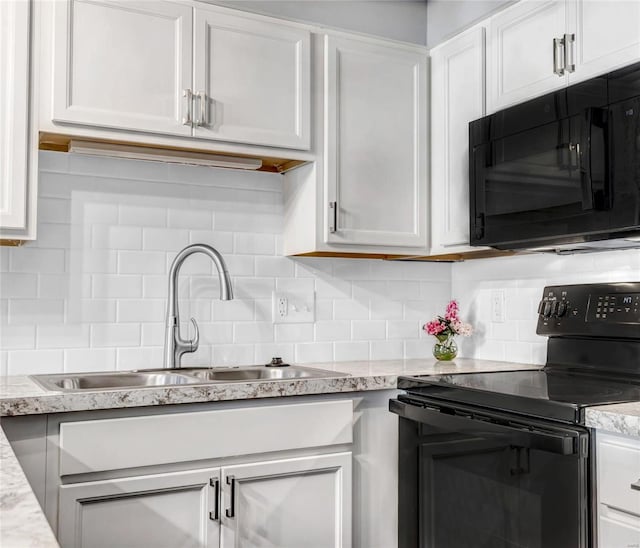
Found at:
(177, 377)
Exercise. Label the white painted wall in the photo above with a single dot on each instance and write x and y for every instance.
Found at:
(446, 18)
(403, 20)
(90, 293)
(522, 280)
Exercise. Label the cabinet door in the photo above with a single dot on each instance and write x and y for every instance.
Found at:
(14, 100)
(123, 64)
(288, 503)
(607, 35)
(253, 80)
(457, 98)
(520, 50)
(163, 510)
(376, 149)
(619, 533)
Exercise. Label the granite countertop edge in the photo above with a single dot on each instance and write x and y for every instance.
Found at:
(619, 418)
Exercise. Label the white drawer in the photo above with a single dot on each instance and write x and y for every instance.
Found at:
(114, 444)
(622, 531)
(618, 468)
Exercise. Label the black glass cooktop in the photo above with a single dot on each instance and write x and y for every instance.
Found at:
(551, 394)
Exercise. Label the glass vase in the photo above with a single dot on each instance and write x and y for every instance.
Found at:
(445, 349)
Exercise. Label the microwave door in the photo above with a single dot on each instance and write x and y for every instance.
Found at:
(530, 183)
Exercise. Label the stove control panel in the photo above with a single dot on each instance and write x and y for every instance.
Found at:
(605, 310)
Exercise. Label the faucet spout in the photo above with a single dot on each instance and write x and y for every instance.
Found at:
(175, 346)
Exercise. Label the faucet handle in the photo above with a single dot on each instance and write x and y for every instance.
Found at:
(196, 338)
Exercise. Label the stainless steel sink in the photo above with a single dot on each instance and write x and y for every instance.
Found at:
(175, 377)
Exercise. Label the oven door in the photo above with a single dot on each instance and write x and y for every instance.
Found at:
(470, 479)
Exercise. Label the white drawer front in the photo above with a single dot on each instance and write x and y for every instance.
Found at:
(114, 444)
(618, 469)
(618, 534)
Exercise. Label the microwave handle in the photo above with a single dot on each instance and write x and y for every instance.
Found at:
(594, 195)
(550, 442)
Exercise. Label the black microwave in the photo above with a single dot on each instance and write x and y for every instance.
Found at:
(560, 172)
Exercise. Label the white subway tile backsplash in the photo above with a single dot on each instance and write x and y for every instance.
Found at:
(62, 336)
(115, 335)
(34, 260)
(141, 310)
(77, 360)
(14, 285)
(141, 262)
(138, 215)
(350, 351)
(35, 362)
(90, 293)
(47, 311)
(164, 239)
(191, 218)
(109, 287)
(367, 330)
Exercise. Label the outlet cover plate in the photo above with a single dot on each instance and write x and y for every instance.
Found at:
(293, 306)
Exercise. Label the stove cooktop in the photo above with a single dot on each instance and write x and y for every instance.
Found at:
(549, 394)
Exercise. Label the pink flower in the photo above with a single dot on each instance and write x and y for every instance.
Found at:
(462, 328)
(434, 327)
(451, 313)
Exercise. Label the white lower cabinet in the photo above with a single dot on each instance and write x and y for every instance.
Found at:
(161, 510)
(618, 462)
(259, 476)
(290, 503)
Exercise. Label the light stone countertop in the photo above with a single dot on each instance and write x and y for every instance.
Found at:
(19, 395)
(620, 418)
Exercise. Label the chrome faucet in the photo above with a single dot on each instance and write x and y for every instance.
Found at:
(174, 345)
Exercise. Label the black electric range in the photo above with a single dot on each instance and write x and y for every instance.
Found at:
(512, 447)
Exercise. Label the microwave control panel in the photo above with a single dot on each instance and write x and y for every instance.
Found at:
(605, 310)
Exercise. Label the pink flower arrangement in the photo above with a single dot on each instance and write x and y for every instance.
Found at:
(444, 327)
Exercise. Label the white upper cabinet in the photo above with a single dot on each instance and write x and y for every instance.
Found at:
(14, 119)
(525, 56)
(181, 69)
(376, 143)
(607, 35)
(457, 98)
(252, 80)
(123, 64)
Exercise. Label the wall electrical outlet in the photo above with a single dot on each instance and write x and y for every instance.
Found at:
(294, 307)
(497, 306)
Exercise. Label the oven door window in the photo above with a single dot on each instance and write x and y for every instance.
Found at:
(541, 181)
(481, 493)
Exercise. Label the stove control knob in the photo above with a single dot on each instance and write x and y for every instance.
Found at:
(546, 312)
(541, 307)
(562, 309)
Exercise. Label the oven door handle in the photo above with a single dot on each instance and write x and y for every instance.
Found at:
(561, 443)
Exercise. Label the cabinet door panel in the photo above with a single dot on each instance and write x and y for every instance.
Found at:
(123, 64)
(614, 533)
(607, 35)
(457, 98)
(520, 52)
(256, 76)
(14, 99)
(376, 150)
(289, 503)
(163, 510)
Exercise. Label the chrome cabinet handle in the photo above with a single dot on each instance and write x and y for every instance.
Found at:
(187, 120)
(636, 486)
(215, 483)
(333, 217)
(203, 119)
(569, 62)
(231, 511)
(558, 58)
